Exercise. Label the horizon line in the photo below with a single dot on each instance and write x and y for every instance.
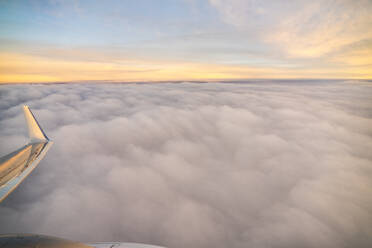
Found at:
(186, 81)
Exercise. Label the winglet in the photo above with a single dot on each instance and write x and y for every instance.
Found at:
(35, 132)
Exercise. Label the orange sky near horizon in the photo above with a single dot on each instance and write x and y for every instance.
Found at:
(18, 68)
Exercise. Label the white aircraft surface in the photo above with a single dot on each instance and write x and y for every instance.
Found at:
(14, 168)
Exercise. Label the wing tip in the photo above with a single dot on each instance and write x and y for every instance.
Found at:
(35, 131)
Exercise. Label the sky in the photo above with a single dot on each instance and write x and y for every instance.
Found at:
(175, 40)
(256, 164)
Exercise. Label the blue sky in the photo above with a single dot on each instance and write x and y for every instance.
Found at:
(103, 22)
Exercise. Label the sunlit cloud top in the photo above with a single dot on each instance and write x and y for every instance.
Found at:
(63, 40)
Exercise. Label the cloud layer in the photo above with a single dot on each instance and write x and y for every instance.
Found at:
(255, 164)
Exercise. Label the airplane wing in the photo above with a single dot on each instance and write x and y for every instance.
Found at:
(17, 165)
(43, 241)
(14, 168)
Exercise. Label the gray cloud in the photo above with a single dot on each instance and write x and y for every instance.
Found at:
(257, 164)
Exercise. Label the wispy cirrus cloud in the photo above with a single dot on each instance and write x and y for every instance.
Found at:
(303, 29)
